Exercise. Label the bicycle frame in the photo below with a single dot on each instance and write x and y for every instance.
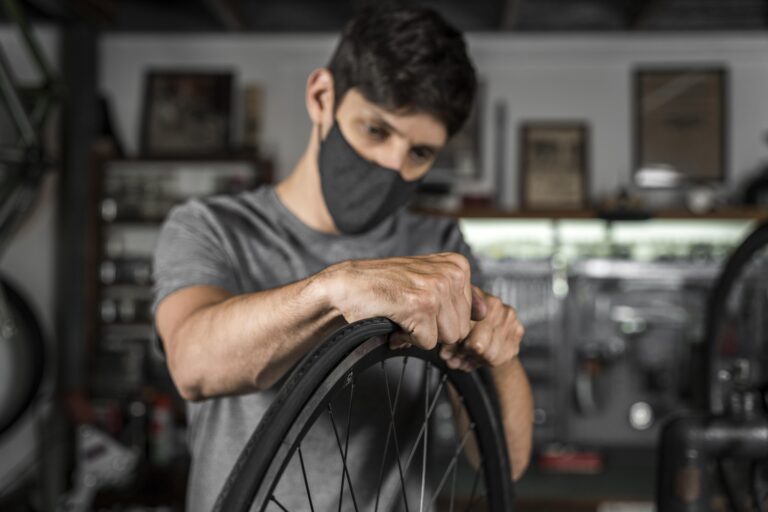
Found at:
(25, 162)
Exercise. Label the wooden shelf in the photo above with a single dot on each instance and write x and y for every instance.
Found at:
(759, 214)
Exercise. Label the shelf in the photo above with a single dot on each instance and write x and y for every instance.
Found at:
(491, 213)
(144, 224)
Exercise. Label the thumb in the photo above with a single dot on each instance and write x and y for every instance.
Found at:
(479, 307)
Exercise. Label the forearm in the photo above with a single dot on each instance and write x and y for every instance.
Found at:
(247, 342)
(516, 402)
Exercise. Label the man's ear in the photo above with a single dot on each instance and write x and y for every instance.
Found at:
(320, 99)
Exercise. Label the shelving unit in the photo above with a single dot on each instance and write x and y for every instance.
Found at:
(128, 386)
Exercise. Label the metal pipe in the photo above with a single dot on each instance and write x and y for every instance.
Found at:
(689, 444)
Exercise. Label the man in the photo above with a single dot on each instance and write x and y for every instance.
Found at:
(246, 285)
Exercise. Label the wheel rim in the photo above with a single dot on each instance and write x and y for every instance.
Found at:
(362, 354)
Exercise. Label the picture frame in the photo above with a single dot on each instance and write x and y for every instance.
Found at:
(461, 158)
(186, 114)
(554, 165)
(680, 121)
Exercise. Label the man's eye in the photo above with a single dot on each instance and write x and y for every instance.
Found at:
(375, 132)
(421, 154)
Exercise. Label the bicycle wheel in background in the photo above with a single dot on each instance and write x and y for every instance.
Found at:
(358, 426)
(21, 357)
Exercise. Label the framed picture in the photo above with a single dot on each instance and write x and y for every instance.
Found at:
(186, 114)
(553, 165)
(680, 122)
(460, 159)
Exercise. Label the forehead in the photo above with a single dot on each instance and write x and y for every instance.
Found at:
(419, 128)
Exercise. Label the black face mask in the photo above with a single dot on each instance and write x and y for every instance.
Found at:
(359, 194)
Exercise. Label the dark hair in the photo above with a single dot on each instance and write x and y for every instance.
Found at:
(406, 59)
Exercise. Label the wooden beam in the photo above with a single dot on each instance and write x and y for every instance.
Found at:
(636, 12)
(510, 14)
(229, 13)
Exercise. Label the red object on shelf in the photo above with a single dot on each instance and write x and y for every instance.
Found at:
(571, 461)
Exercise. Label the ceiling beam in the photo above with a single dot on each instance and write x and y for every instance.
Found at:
(229, 13)
(510, 14)
(636, 12)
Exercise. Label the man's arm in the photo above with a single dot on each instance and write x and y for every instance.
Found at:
(218, 344)
(494, 341)
(516, 401)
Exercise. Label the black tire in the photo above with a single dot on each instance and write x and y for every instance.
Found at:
(27, 355)
(732, 272)
(267, 452)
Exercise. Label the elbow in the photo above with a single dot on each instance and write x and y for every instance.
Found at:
(186, 378)
(190, 391)
(188, 383)
(519, 468)
(520, 457)
(197, 378)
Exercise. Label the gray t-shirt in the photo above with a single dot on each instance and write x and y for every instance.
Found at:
(251, 242)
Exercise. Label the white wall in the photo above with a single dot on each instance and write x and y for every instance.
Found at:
(539, 76)
(280, 63)
(589, 77)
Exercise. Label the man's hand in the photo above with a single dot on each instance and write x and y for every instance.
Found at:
(493, 341)
(429, 297)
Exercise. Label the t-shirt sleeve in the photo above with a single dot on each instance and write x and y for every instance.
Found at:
(454, 242)
(190, 251)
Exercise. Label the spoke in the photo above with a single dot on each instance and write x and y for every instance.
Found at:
(452, 463)
(394, 436)
(474, 488)
(346, 443)
(306, 480)
(381, 469)
(429, 415)
(343, 459)
(453, 488)
(272, 498)
(391, 427)
(425, 429)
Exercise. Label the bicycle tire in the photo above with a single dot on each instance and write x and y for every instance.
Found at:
(716, 306)
(30, 347)
(265, 455)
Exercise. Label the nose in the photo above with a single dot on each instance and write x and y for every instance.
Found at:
(393, 156)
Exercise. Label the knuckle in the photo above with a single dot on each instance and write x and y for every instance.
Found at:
(494, 302)
(460, 261)
(429, 343)
(422, 301)
(443, 283)
(477, 346)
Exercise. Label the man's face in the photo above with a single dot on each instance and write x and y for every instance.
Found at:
(407, 143)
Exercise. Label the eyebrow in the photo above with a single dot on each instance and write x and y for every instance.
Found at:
(391, 128)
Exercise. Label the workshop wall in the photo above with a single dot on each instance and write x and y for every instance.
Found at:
(586, 77)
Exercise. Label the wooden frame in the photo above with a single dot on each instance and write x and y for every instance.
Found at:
(554, 165)
(186, 114)
(680, 121)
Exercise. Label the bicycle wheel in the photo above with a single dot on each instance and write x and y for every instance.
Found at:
(21, 356)
(736, 326)
(351, 369)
